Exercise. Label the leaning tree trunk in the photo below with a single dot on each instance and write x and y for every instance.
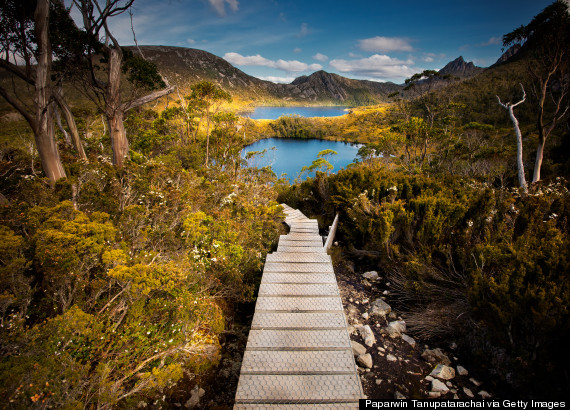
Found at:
(71, 124)
(44, 127)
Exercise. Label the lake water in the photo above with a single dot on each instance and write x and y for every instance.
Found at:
(272, 113)
(289, 156)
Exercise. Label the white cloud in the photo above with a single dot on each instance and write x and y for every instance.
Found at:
(493, 41)
(320, 57)
(297, 50)
(353, 55)
(191, 41)
(431, 57)
(304, 30)
(220, 6)
(384, 44)
(376, 67)
(257, 60)
(281, 80)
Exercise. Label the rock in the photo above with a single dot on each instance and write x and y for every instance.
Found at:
(385, 293)
(378, 381)
(443, 372)
(434, 395)
(194, 400)
(429, 378)
(475, 382)
(462, 371)
(396, 328)
(392, 316)
(468, 392)
(453, 346)
(366, 283)
(455, 397)
(391, 358)
(399, 396)
(365, 360)
(436, 356)
(408, 339)
(381, 349)
(449, 384)
(365, 301)
(357, 348)
(484, 394)
(365, 316)
(371, 275)
(367, 335)
(379, 308)
(438, 386)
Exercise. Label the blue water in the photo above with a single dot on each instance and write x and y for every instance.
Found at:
(288, 156)
(272, 113)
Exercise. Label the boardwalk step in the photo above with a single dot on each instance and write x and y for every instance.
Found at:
(312, 388)
(299, 339)
(272, 320)
(293, 257)
(279, 277)
(293, 289)
(270, 406)
(297, 362)
(300, 249)
(312, 244)
(298, 304)
(298, 267)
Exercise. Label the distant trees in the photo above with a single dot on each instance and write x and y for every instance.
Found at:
(547, 41)
(211, 97)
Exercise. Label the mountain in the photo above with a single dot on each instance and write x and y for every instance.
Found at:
(186, 66)
(507, 55)
(460, 68)
(323, 85)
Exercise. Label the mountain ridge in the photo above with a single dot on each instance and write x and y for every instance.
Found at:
(186, 66)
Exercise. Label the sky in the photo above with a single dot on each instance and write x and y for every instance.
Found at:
(379, 40)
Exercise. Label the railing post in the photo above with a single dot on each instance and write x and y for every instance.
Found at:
(332, 232)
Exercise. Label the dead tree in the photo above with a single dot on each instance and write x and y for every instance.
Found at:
(520, 164)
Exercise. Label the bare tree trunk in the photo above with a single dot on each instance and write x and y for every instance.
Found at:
(44, 130)
(520, 164)
(60, 126)
(119, 141)
(538, 161)
(71, 124)
(114, 111)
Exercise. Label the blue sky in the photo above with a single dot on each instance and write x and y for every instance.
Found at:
(377, 40)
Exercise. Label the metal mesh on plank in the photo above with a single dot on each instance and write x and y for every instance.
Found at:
(264, 320)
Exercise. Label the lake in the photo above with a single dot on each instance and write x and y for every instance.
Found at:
(272, 113)
(288, 156)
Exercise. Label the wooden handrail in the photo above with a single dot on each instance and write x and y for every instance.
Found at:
(332, 232)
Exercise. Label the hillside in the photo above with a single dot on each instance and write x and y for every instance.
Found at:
(186, 66)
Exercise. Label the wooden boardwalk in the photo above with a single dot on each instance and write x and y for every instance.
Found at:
(298, 352)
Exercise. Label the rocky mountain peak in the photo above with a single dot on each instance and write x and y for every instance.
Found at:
(460, 68)
(512, 50)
